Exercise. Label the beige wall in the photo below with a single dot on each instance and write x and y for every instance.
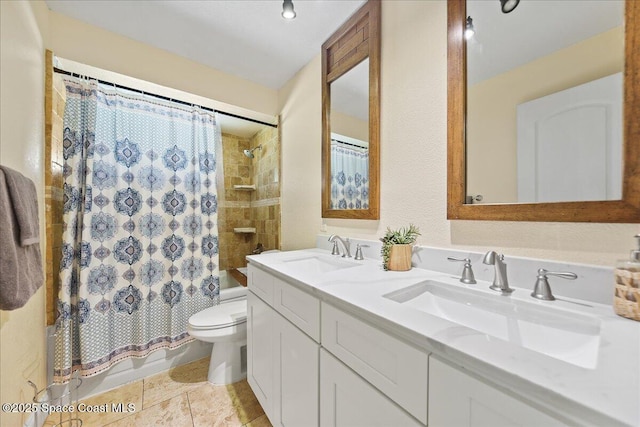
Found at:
(300, 125)
(350, 126)
(22, 331)
(87, 44)
(414, 158)
(491, 120)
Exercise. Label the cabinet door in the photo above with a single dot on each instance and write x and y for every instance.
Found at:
(398, 370)
(300, 308)
(260, 283)
(297, 376)
(260, 351)
(458, 399)
(346, 400)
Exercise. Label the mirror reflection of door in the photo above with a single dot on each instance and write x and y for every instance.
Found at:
(570, 144)
(540, 49)
(349, 123)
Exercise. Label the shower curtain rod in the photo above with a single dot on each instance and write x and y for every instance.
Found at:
(348, 143)
(165, 98)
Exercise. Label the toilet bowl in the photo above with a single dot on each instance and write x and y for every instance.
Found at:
(224, 325)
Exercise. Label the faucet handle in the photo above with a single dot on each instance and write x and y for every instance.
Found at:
(542, 290)
(359, 256)
(467, 273)
(335, 250)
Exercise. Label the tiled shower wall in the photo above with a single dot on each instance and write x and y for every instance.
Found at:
(234, 205)
(265, 206)
(55, 98)
(239, 208)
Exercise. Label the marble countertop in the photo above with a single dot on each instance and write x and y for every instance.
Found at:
(608, 394)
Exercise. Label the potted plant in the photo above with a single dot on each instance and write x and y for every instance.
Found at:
(397, 248)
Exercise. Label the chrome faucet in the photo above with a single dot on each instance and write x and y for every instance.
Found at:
(334, 238)
(500, 281)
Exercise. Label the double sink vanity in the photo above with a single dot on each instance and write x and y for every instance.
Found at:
(337, 342)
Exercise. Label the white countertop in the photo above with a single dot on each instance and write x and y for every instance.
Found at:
(607, 395)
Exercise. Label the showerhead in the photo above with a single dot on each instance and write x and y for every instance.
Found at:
(249, 153)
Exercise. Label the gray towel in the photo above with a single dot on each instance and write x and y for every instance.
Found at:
(21, 272)
(22, 192)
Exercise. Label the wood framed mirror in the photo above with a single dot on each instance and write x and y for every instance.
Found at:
(625, 208)
(351, 117)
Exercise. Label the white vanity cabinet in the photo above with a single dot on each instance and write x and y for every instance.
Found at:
(347, 400)
(313, 362)
(283, 361)
(459, 399)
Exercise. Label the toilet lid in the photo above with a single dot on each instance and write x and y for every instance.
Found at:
(220, 316)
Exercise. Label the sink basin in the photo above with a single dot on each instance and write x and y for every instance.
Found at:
(567, 336)
(316, 264)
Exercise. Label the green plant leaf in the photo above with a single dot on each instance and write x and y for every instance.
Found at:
(402, 236)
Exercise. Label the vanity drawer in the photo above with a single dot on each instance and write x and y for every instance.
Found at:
(300, 308)
(260, 283)
(397, 369)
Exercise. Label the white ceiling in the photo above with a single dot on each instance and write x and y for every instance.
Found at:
(246, 38)
(534, 29)
(250, 39)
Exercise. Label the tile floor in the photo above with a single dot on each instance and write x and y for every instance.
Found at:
(178, 397)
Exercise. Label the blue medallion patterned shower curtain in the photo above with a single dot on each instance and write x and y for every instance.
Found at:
(140, 239)
(349, 176)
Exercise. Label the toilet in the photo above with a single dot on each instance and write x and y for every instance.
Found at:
(224, 325)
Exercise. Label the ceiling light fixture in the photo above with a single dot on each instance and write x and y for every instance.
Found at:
(508, 5)
(469, 31)
(287, 10)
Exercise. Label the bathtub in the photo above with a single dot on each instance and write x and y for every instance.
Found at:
(134, 369)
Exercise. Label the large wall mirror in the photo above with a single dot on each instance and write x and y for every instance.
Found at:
(543, 107)
(351, 118)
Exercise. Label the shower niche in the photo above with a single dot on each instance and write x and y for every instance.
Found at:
(249, 208)
(244, 187)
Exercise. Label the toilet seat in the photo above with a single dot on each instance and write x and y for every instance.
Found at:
(220, 316)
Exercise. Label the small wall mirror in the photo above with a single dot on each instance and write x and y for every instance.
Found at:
(543, 102)
(349, 123)
(350, 117)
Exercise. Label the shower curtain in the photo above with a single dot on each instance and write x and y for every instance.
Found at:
(349, 176)
(140, 239)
